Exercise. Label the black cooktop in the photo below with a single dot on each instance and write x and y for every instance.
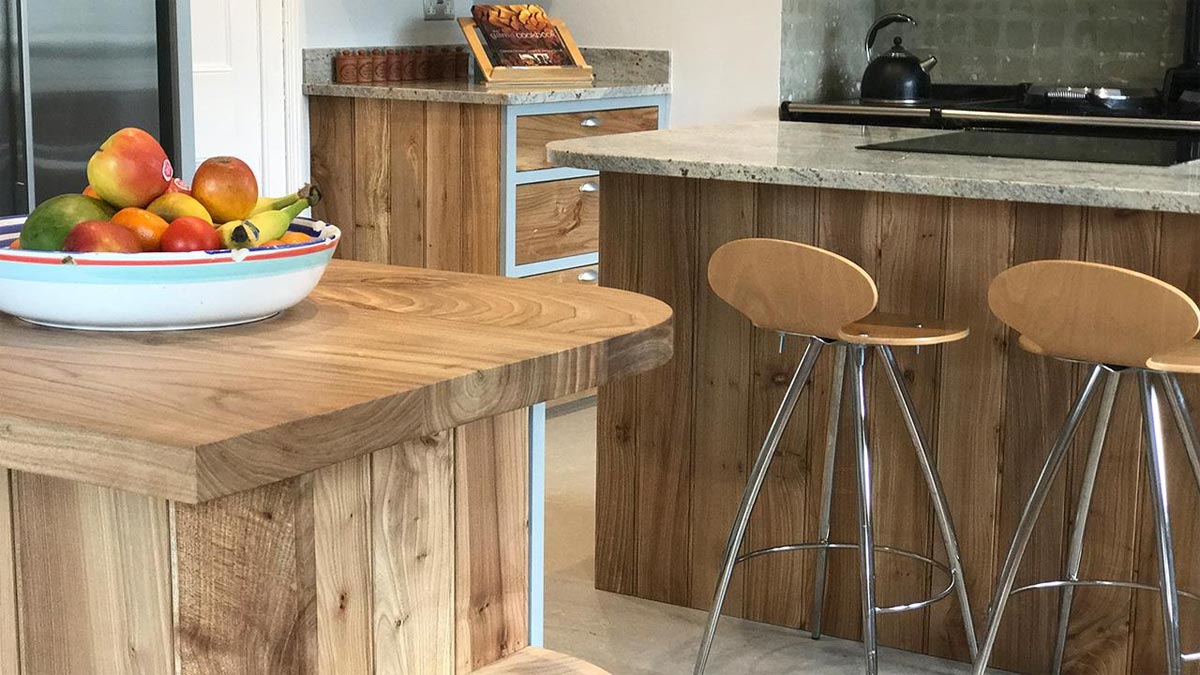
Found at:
(1105, 150)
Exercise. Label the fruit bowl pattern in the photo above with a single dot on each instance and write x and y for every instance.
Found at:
(160, 291)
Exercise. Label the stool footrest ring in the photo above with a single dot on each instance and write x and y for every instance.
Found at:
(891, 609)
(1093, 583)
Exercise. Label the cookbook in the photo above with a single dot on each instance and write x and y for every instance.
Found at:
(521, 36)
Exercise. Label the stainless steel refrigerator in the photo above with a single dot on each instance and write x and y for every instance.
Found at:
(71, 73)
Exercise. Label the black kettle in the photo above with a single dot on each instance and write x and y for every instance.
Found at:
(896, 77)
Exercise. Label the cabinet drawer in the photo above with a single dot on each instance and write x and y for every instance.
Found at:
(558, 219)
(535, 131)
(584, 276)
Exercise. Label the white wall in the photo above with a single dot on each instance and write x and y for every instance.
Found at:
(725, 54)
(349, 23)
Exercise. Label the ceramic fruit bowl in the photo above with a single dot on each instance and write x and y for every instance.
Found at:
(160, 291)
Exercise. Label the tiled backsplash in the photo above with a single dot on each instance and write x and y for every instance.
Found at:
(1129, 42)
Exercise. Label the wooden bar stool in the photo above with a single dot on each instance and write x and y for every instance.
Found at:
(794, 289)
(1123, 324)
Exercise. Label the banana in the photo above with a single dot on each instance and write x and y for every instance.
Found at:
(310, 192)
(261, 227)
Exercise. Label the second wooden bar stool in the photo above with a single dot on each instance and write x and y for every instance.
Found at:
(1124, 325)
(794, 289)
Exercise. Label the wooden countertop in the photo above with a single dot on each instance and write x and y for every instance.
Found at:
(376, 355)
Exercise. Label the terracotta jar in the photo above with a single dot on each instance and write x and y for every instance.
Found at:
(393, 65)
(423, 58)
(345, 67)
(379, 64)
(366, 67)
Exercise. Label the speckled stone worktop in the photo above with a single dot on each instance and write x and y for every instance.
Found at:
(826, 155)
(619, 73)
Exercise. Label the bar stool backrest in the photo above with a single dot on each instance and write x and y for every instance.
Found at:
(1092, 312)
(791, 287)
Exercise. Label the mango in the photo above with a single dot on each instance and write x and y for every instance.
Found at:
(48, 226)
(177, 205)
(130, 169)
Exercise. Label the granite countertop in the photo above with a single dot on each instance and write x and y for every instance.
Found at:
(469, 92)
(826, 155)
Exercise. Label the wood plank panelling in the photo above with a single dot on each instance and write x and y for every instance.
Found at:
(94, 579)
(480, 156)
(777, 587)
(411, 183)
(535, 131)
(911, 248)
(1179, 242)
(9, 630)
(1038, 397)
(971, 403)
(413, 540)
(331, 129)
(407, 133)
(725, 212)
(341, 523)
(372, 181)
(617, 403)
(848, 223)
(1101, 641)
(992, 409)
(669, 272)
(238, 582)
(491, 459)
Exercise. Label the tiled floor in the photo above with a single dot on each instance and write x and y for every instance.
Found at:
(638, 637)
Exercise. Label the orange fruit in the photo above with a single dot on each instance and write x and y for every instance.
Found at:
(16, 243)
(269, 244)
(295, 238)
(147, 227)
(91, 192)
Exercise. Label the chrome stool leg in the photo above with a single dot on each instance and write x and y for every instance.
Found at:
(1033, 508)
(866, 539)
(936, 493)
(836, 391)
(1156, 465)
(1075, 551)
(1183, 419)
(750, 496)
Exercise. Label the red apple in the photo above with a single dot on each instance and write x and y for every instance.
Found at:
(130, 169)
(226, 187)
(101, 236)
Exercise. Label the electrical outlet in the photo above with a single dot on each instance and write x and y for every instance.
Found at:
(439, 10)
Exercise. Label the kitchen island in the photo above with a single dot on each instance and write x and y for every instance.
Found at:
(933, 230)
(343, 489)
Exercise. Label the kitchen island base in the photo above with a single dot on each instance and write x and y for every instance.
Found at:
(413, 559)
(675, 443)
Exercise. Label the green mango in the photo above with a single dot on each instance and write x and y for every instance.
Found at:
(48, 226)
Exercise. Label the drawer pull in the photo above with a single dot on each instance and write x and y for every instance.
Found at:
(590, 122)
(589, 277)
(590, 186)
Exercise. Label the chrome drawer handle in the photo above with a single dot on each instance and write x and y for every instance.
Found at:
(589, 277)
(590, 186)
(590, 122)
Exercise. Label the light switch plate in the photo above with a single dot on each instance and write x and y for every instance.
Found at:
(439, 10)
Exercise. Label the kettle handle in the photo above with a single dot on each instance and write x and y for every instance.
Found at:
(881, 23)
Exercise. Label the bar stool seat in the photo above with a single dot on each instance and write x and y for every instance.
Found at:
(896, 330)
(1124, 325)
(801, 290)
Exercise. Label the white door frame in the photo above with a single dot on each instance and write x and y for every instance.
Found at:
(284, 109)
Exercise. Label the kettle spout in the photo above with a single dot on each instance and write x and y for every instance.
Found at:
(928, 64)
